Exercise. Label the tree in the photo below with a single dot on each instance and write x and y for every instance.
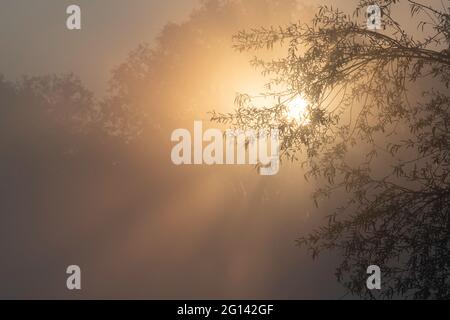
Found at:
(378, 132)
(149, 92)
(47, 102)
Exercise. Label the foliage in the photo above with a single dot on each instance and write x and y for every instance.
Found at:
(379, 131)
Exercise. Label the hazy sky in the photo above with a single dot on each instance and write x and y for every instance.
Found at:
(34, 38)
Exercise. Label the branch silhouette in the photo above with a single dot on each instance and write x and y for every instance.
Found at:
(367, 142)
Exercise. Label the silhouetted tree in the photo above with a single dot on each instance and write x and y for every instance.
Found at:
(378, 132)
(179, 76)
(44, 102)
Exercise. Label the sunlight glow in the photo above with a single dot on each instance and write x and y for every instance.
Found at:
(297, 109)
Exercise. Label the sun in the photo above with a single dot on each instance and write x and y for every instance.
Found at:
(297, 109)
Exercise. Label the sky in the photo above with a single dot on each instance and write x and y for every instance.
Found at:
(34, 39)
